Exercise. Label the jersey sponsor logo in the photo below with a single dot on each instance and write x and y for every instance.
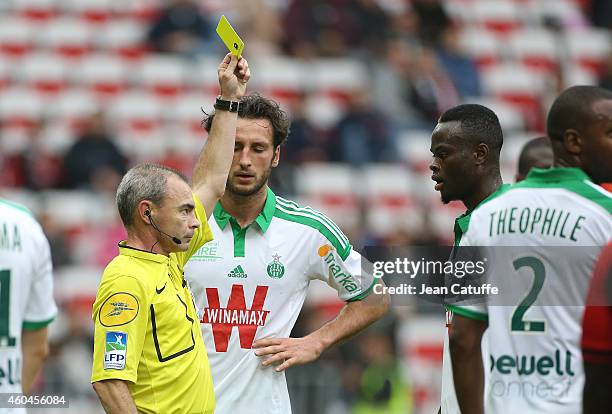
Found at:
(275, 268)
(115, 350)
(235, 314)
(524, 365)
(344, 280)
(238, 272)
(210, 252)
(119, 309)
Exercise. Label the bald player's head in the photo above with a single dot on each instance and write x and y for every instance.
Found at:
(579, 125)
(537, 153)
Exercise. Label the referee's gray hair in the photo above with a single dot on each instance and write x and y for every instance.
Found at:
(142, 182)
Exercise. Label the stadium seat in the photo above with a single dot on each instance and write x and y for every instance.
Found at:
(68, 37)
(187, 111)
(481, 45)
(202, 76)
(103, 74)
(5, 74)
(90, 11)
(338, 77)
(20, 108)
(510, 118)
(413, 146)
(46, 73)
(565, 12)
(589, 47)
(535, 48)
(73, 106)
(500, 16)
(123, 37)
(36, 10)
(519, 86)
(162, 75)
(280, 77)
(136, 113)
(141, 11)
(16, 37)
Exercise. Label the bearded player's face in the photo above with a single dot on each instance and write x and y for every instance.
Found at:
(254, 156)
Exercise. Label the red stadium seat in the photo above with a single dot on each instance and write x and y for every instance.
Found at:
(481, 45)
(282, 78)
(73, 107)
(202, 76)
(338, 77)
(500, 16)
(123, 37)
(162, 75)
(535, 48)
(20, 108)
(45, 73)
(69, 37)
(187, 111)
(36, 10)
(91, 11)
(16, 37)
(136, 113)
(589, 47)
(103, 74)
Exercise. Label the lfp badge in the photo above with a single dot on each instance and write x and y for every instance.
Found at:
(115, 350)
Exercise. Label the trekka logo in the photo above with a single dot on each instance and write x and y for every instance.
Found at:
(528, 375)
(119, 309)
(275, 268)
(235, 314)
(210, 252)
(115, 350)
(344, 280)
(237, 272)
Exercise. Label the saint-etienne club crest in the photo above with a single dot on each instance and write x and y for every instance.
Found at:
(275, 268)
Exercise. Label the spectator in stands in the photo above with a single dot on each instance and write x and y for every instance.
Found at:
(363, 134)
(601, 13)
(34, 167)
(433, 20)
(305, 143)
(180, 29)
(460, 68)
(94, 160)
(431, 91)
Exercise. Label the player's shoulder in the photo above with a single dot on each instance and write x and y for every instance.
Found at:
(312, 220)
(22, 217)
(122, 272)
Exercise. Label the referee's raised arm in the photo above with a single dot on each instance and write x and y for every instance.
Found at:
(213, 164)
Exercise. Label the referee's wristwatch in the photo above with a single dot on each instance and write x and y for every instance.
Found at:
(223, 105)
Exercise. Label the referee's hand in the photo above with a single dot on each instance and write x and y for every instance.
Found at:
(287, 351)
(233, 75)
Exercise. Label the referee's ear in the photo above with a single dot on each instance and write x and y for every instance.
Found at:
(276, 158)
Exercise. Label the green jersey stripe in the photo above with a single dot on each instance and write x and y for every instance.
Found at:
(308, 220)
(16, 206)
(290, 205)
(342, 240)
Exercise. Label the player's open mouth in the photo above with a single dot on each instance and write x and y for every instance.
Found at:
(439, 183)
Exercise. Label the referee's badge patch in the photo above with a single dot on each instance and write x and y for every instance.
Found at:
(119, 309)
(115, 350)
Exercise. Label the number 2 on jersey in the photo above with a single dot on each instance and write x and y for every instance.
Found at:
(539, 274)
(5, 296)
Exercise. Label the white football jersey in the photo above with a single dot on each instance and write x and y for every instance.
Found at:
(26, 288)
(251, 284)
(552, 227)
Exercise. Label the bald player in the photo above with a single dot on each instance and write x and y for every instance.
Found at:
(537, 153)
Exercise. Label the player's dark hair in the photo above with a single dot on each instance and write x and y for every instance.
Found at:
(479, 123)
(524, 162)
(255, 106)
(573, 109)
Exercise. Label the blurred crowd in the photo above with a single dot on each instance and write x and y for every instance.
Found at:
(416, 69)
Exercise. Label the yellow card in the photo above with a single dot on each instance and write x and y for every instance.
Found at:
(229, 36)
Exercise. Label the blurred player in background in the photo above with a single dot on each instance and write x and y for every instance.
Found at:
(148, 351)
(26, 299)
(529, 214)
(466, 146)
(536, 153)
(251, 281)
(597, 338)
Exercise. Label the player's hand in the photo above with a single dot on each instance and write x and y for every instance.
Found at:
(233, 77)
(287, 351)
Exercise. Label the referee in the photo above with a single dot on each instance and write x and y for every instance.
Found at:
(149, 356)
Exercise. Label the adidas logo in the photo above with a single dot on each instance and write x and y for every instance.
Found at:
(238, 271)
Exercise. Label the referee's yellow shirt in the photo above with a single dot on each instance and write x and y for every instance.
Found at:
(147, 331)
